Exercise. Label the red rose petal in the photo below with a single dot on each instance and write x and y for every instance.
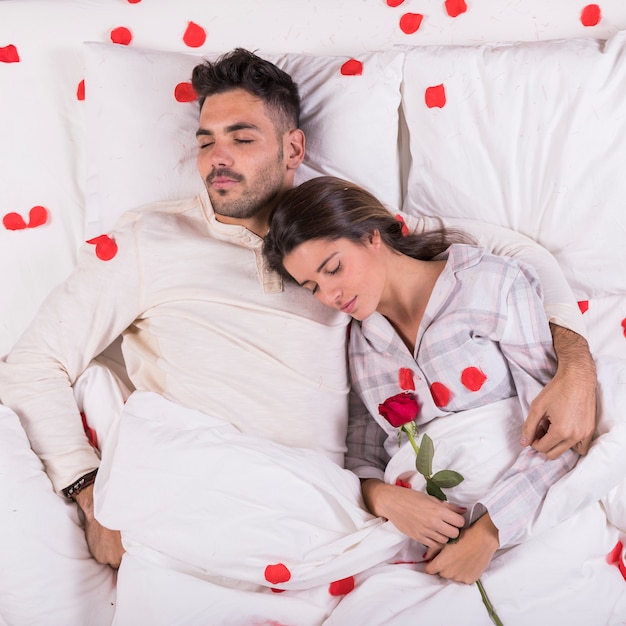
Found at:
(90, 432)
(405, 228)
(615, 554)
(473, 378)
(133, 1)
(394, 3)
(624, 326)
(405, 379)
(14, 221)
(121, 35)
(403, 483)
(410, 22)
(106, 248)
(9, 54)
(80, 91)
(184, 92)
(352, 68)
(341, 587)
(583, 305)
(195, 35)
(455, 7)
(435, 96)
(37, 216)
(277, 573)
(441, 394)
(590, 15)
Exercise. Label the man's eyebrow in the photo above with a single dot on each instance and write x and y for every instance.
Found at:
(319, 269)
(230, 129)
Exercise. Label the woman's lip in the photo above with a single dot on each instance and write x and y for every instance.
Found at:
(349, 306)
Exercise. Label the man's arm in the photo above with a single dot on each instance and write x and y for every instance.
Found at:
(567, 405)
(105, 545)
(563, 415)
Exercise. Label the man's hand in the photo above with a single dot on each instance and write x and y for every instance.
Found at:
(563, 415)
(105, 545)
(417, 515)
(465, 560)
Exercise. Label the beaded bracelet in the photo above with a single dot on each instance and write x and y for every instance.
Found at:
(84, 481)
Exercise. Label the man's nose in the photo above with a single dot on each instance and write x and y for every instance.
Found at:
(220, 155)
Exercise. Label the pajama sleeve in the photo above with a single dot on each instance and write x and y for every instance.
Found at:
(525, 341)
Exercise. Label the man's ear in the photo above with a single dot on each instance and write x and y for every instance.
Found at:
(295, 145)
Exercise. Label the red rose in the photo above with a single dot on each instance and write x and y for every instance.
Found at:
(399, 409)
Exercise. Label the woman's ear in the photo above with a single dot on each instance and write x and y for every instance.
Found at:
(373, 239)
(295, 144)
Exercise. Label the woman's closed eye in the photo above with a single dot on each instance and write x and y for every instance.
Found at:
(334, 271)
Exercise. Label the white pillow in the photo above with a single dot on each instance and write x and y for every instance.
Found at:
(531, 136)
(141, 139)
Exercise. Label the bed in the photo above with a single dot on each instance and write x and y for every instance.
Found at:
(511, 112)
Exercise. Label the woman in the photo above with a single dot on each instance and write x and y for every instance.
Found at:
(468, 326)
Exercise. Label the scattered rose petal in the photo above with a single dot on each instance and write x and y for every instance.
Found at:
(194, 36)
(133, 1)
(394, 3)
(106, 248)
(403, 483)
(121, 35)
(352, 68)
(274, 590)
(590, 15)
(583, 305)
(90, 432)
(455, 7)
(473, 378)
(624, 326)
(277, 573)
(80, 91)
(9, 54)
(184, 92)
(441, 394)
(615, 554)
(37, 216)
(410, 22)
(14, 221)
(405, 228)
(405, 379)
(341, 587)
(435, 96)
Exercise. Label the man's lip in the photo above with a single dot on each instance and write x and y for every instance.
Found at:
(222, 181)
(349, 306)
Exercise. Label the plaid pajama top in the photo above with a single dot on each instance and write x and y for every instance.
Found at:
(484, 337)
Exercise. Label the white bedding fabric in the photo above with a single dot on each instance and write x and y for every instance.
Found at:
(210, 508)
(46, 574)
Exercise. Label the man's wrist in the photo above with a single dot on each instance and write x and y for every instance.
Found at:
(72, 491)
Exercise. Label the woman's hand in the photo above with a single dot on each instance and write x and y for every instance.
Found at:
(465, 560)
(418, 515)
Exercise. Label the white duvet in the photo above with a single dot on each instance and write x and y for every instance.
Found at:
(224, 528)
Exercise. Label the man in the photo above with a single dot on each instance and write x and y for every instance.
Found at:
(206, 324)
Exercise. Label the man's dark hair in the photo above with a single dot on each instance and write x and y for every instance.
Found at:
(242, 69)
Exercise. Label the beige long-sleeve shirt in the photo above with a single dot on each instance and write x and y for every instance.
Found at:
(206, 325)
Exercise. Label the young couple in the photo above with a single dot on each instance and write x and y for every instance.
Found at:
(189, 290)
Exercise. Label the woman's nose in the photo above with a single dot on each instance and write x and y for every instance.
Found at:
(330, 296)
